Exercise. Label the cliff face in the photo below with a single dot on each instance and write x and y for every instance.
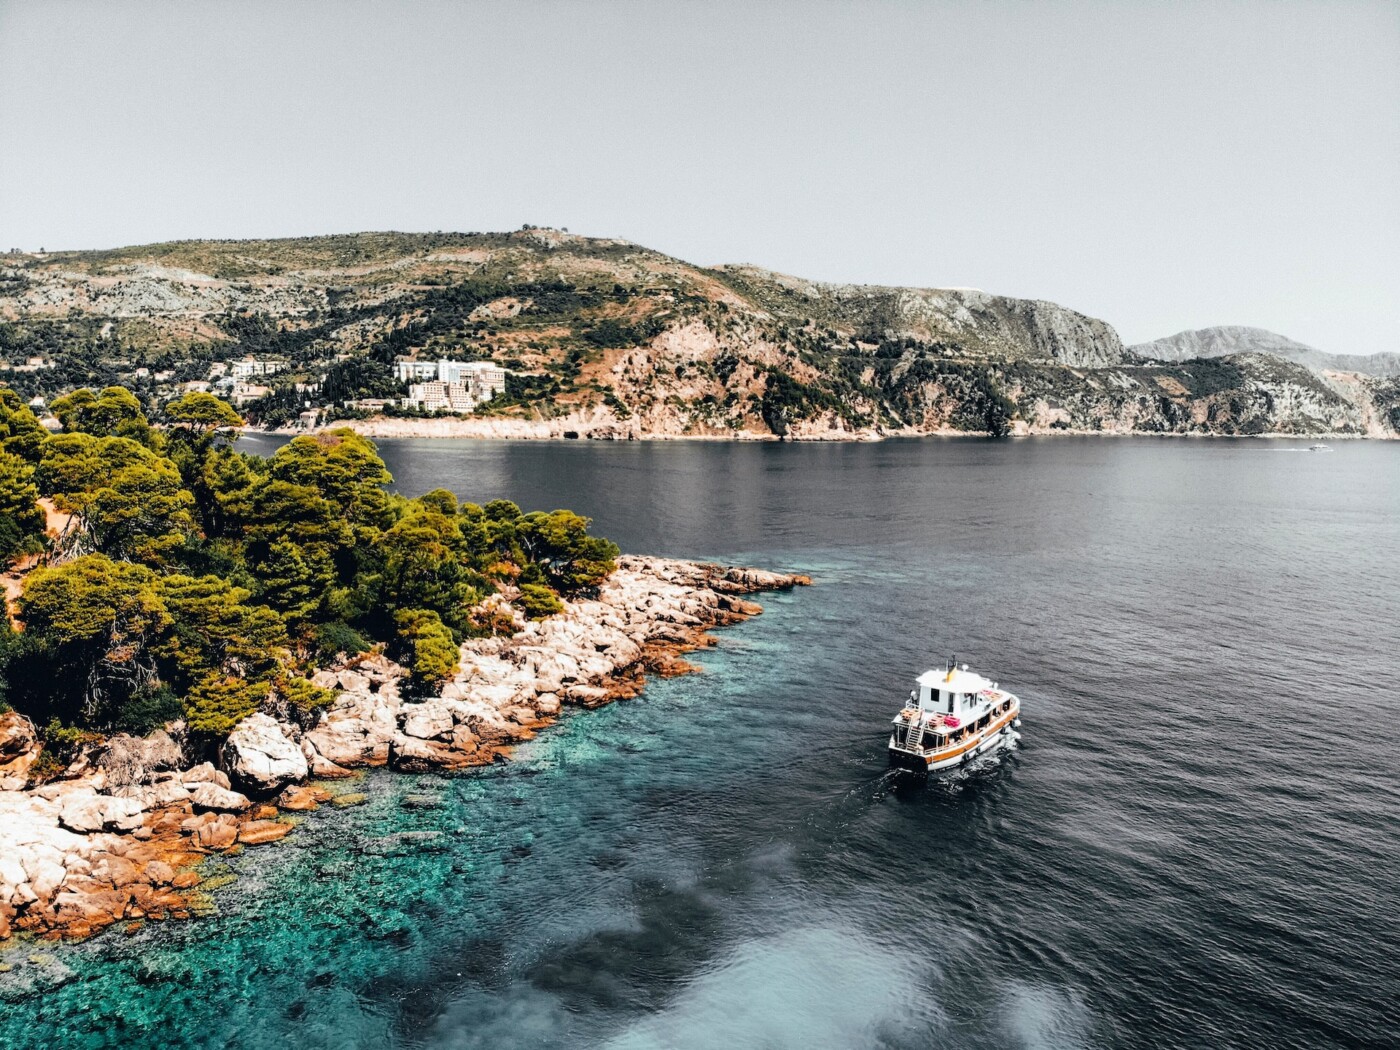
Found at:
(979, 325)
(1228, 340)
(610, 339)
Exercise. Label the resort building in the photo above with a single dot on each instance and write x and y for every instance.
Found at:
(482, 380)
(440, 397)
(253, 366)
(245, 392)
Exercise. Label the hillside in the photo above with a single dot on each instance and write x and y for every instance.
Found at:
(1225, 340)
(605, 338)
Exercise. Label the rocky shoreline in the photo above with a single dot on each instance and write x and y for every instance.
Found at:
(116, 838)
(570, 428)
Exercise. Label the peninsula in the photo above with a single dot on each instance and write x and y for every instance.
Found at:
(199, 640)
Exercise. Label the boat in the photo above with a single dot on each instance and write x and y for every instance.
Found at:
(1318, 448)
(953, 716)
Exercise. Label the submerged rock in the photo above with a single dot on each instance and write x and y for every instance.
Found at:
(256, 832)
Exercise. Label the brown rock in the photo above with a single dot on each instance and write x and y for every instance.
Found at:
(217, 835)
(191, 825)
(300, 799)
(204, 773)
(256, 832)
(185, 880)
(159, 872)
(17, 735)
(118, 871)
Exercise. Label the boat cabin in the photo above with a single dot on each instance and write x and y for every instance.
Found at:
(952, 692)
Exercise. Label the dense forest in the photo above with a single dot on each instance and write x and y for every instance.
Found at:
(166, 575)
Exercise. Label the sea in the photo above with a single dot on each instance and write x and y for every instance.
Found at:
(1195, 842)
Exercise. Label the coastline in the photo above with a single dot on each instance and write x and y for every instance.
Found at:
(117, 839)
(486, 429)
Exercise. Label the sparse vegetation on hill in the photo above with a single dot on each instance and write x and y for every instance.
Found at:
(621, 339)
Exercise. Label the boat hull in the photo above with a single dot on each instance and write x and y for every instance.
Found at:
(997, 735)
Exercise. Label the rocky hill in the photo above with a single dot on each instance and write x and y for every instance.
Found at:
(605, 338)
(1225, 340)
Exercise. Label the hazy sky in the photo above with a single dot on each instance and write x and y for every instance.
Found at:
(1161, 165)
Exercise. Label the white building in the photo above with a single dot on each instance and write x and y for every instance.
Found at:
(252, 366)
(437, 396)
(245, 392)
(482, 379)
(412, 371)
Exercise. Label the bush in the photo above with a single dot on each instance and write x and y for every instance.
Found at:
(61, 746)
(338, 637)
(148, 710)
(537, 601)
(216, 704)
(425, 645)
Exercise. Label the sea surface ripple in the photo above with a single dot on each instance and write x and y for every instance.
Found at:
(1193, 845)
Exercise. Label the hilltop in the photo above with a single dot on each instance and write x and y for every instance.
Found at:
(1226, 340)
(606, 338)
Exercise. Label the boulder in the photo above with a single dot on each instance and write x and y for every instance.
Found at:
(547, 704)
(91, 813)
(166, 793)
(217, 836)
(351, 741)
(412, 755)
(300, 799)
(352, 681)
(464, 740)
(426, 721)
(210, 796)
(17, 736)
(325, 680)
(256, 832)
(205, 773)
(159, 873)
(261, 758)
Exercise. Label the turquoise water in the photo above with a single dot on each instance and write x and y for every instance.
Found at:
(1193, 845)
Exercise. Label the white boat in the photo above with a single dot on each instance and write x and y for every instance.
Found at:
(1318, 448)
(953, 716)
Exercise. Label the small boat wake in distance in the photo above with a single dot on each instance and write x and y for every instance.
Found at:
(953, 716)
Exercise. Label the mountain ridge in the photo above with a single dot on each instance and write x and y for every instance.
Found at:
(607, 338)
(1223, 340)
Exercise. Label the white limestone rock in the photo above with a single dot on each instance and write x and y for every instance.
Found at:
(260, 757)
(89, 813)
(210, 796)
(427, 721)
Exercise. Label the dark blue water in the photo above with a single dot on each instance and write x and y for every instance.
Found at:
(1194, 845)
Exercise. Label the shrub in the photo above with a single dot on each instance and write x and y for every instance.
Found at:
(537, 601)
(338, 637)
(148, 710)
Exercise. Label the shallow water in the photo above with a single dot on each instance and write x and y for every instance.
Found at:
(1194, 844)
